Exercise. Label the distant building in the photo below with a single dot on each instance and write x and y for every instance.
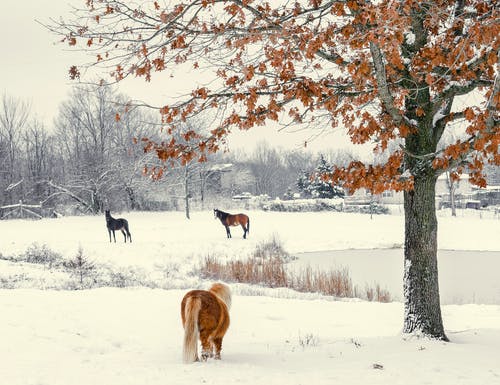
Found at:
(464, 192)
(363, 196)
(216, 176)
(490, 195)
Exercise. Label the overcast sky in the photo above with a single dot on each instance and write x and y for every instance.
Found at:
(35, 68)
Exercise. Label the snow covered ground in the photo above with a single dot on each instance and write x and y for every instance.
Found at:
(133, 336)
(119, 336)
(169, 236)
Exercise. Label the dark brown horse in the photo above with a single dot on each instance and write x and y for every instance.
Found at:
(233, 220)
(117, 224)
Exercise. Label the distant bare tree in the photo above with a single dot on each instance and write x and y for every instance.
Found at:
(38, 156)
(189, 177)
(96, 134)
(269, 170)
(14, 114)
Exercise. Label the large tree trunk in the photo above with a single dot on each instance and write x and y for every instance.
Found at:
(421, 288)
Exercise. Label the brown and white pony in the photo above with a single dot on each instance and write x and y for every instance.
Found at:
(205, 315)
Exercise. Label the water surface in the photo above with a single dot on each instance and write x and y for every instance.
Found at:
(464, 276)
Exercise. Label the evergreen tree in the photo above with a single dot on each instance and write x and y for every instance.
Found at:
(317, 184)
(304, 183)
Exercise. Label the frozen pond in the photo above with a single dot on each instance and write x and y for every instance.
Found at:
(464, 276)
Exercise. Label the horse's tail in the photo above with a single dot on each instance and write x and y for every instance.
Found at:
(191, 332)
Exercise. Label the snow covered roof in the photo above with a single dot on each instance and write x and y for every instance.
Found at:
(221, 167)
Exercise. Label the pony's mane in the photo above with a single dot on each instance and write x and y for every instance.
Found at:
(223, 292)
(221, 214)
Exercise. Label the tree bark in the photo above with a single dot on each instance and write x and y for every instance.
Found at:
(421, 288)
(186, 191)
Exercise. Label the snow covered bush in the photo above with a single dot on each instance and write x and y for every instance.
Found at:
(372, 208)
(300, 205)
(272, 248)
(40, 254)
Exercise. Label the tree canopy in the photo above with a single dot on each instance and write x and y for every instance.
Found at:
(382, 69)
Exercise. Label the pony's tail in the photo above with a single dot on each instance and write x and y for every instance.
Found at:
(191, 332)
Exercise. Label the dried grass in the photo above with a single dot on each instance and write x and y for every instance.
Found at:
(266, 267)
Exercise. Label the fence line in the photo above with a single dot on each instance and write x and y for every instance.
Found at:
(21, 209)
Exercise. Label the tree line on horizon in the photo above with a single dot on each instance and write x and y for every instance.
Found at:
(89, 160)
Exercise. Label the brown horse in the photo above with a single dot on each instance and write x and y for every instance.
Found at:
(233, 220)
(205, 315)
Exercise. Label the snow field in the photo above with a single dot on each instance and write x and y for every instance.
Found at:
(133, 336)
(130, 336)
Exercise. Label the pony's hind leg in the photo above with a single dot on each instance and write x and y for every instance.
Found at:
(124, 235)
(217, 347)
(244, 231)
(206, 346)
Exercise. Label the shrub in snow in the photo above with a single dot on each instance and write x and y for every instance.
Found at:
(40, 254)
(83, 269)
(273, 248)
(308, 340)
(372, 208)
(301, 205)
(337, 204)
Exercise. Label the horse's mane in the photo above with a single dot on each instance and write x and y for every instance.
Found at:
(223, 292)
(223, 214)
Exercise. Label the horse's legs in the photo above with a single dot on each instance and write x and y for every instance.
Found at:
(114, 237)
(228, 232)
(124, 235)
(206, 345)
(217, 347)
(109, 232)
(244, 231)
(125, 227)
